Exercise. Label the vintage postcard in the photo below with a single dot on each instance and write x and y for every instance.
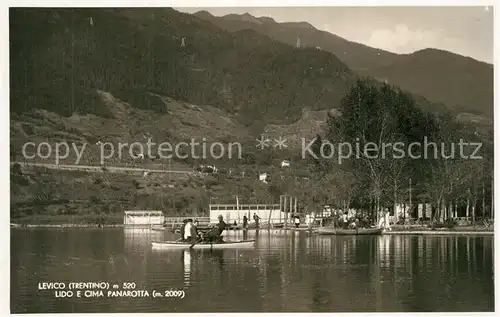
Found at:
(251, 159)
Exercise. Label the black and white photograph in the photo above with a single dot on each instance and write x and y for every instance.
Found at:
(251, 159)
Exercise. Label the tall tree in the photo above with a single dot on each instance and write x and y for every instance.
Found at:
(377, 124)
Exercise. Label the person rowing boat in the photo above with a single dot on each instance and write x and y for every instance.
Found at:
(196, 230)
(214, 235)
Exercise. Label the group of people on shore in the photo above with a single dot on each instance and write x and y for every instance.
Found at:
(256, 219)
(345, 222)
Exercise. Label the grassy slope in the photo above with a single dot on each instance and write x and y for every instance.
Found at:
(179, 122)
(56, 196)
(53, 196)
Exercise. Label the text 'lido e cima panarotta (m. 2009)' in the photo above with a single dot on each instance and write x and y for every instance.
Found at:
(105, 289)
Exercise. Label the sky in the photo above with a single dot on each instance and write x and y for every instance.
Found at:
(463, 30)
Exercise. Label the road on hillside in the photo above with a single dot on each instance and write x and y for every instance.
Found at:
(93, 168)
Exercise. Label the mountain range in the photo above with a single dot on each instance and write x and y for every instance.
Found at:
(462, 83)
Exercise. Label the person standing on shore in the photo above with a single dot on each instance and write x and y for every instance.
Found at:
(256, 219)
(384, 221)
(387, 225)
(245, 222)
(245, 227)
(345, 220)
(297, 221)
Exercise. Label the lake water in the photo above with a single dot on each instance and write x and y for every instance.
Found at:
(293, 271)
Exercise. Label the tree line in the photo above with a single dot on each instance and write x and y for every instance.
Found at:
(450, 165)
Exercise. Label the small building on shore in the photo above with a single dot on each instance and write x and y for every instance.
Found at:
(143, 218)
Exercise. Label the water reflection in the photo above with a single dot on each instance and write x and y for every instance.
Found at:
(295, 271)
(138, 238)
(187, 267)
(384, 249)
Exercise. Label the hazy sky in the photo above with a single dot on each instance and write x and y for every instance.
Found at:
(463, 30)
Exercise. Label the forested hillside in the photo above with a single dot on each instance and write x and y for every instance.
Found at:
(59, 57)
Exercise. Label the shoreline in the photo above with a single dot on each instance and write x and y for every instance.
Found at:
(420, 231)
(67, 225)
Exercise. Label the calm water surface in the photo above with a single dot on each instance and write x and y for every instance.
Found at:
(291, 271)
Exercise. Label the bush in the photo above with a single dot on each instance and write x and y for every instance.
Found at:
(19, 180)
(136, 184)
(435, 225)
(210, 181)
(450, 223)
(16, 169)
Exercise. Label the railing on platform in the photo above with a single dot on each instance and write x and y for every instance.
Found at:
(179, 220)
(142, 217)
(242, 207)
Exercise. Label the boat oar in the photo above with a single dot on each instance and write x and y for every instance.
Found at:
(196, 242)
(192, 245)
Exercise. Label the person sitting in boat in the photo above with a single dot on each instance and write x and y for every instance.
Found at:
(345, 220)
(183, 228)
(188, 231)
(214, 235)
(191, 231)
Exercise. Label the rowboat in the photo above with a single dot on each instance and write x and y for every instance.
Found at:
(174, 229)
(350, 232)
(169, 245)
